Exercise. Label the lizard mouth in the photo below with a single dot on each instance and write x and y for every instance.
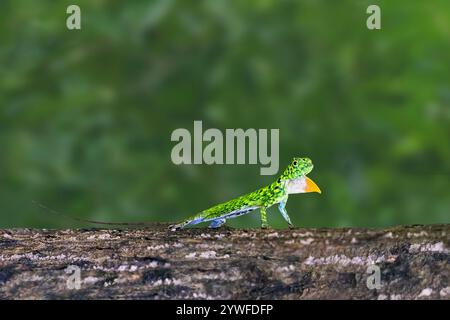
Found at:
(311, 167)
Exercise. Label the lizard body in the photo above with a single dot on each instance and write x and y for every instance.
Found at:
(292, 180)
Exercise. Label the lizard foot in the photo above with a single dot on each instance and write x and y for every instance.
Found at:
(217, 223)
(174, 227)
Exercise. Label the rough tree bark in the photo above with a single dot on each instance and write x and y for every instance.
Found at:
(226, 263)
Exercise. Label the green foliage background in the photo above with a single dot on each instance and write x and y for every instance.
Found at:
(86, 116)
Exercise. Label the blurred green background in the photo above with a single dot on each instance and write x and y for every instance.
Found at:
(86, 116)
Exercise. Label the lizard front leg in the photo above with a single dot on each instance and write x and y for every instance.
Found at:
(263, 212)
(282, 208)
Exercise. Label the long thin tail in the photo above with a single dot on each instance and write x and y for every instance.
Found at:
(143, 223)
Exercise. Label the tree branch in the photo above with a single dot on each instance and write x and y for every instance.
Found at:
(227, 263)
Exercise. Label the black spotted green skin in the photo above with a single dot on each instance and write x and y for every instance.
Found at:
(264, 197)
(259, 199)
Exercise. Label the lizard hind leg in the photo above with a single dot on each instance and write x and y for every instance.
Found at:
(184, 224)
(217, 223)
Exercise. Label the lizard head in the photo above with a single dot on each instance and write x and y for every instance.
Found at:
(295, 176)
(298, 167)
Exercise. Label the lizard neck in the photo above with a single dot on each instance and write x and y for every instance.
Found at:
(278, 185)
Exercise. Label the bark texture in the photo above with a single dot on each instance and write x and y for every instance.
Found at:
(227, 263)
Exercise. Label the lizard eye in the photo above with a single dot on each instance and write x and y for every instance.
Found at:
(294, 163)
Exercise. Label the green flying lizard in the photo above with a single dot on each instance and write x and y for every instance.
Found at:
(293, 180)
